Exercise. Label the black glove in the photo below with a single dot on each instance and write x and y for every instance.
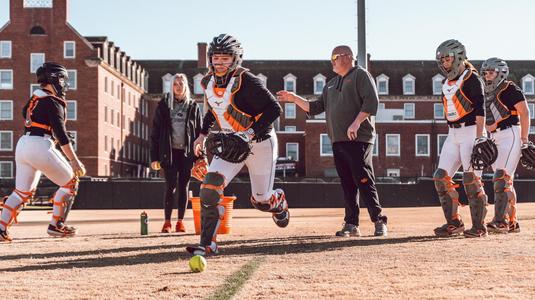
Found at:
(232, 147)
(484, 153)
(528, 156)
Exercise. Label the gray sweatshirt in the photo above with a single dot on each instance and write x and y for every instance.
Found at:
(343, 98)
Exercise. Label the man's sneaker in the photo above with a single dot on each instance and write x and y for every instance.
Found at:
(166, 227)
(514, 227)
(179, 227)
(348, 230)
(202, 250)
(456, 228)
(282, 219)
(380, 228)
(59, 231)
(4, 236)
(475, 233)
(497, 227)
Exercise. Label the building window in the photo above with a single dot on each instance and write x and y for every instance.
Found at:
(290, 83)
(382, 84)
(6, 110)
(197, 87)
(105, 143)
(326, 148)
(531, 107)
(290, 128)
(408, 84)
(72, 79)
(37, 30)
(528, 82)
(74, 136)
(69, 49)
(33, 88)
(438, 111)
(6, 79)
(408, 111)
(437, 84)
(319, 84)
(263, 79)
(5, 49)
(376, 146)
(105, 84)
(72, 110)
(6, 140)
(392, 172)
(292, 151)
(289, 110)
(166, 83)
(112, 117)
(392, 145)
(105, 114)
(422, 145)
(6, 169)
(441, 139)
(37, 4)
(118, 91)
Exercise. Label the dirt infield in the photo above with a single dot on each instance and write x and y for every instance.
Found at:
(109, 259)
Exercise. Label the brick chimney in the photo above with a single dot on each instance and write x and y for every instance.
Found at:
(201, 56)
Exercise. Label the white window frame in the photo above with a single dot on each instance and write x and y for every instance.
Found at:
(319, 78)
(531, 107)
(33, 87)
(75, 103)
(375, 149)
(396, 135)
(405, 107)
(290, 78)
(33, 56)
(10, 104)
(197, 86)
(75, 85)
(290, 128)
(38, 4)
(8, 45)
(409, 79)
(10, 163)
(11, 142)
(65, 43)
(438, 142)
(263, 78)
(428, 137)
(528, 79)
(297, 150)
(382, 78)
(166, 83)
(10, 87)
(75, 134)
(322, 154)
(390, 171)
(437, 79)
(435, 105)
(287, 111)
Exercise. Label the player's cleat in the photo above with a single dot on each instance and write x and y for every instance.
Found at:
(4, 236)
(279, 206)
(514, 227)
(166, 227)
(282, 219)
(348, 230)
(61, 230)
(179, 227)
(450, 229)
(202, 250)
(475, 233)
(380, 228)
(497, 227)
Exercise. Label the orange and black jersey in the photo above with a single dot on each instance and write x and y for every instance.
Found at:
(473, 89)
(50, 112)
(253, 99)
(510, 97)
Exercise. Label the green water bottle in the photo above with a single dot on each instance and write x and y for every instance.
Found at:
(144, 223)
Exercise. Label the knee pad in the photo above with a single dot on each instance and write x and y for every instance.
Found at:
(212, 189)
(504, 197)
(448, 196)
(12, 206)
(477, 198)
(64, 199)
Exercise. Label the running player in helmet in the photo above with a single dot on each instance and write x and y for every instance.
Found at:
(239, 103)
(35, 154)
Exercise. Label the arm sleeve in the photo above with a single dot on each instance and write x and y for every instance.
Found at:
(56, 117)
(207, 122)
(155, 136)
(476, 94)
(318, 106)
(513, 95)
(198, 121)
(264, 102)
(367, 91)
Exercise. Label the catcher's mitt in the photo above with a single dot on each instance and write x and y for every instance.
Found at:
(484, 153)
(200, 168)
(528, 156)
(232, 147)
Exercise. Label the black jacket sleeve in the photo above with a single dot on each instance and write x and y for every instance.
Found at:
(207, 121)
(263, 102)
(56, 117)
(155, 135)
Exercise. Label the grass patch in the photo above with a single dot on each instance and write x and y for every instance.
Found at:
(234, 282)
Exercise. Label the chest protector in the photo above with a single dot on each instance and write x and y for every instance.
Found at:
(34, 100)
(495, 110)
(221, 102)
(456, 103)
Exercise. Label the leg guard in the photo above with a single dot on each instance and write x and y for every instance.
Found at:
(211, 212)
(63, 201)
(12, 206)
(504, 198)
(477, 200)
(448, 196)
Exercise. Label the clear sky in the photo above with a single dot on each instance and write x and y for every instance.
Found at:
(308, 29)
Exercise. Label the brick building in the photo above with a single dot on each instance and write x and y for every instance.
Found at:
(106, 109)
